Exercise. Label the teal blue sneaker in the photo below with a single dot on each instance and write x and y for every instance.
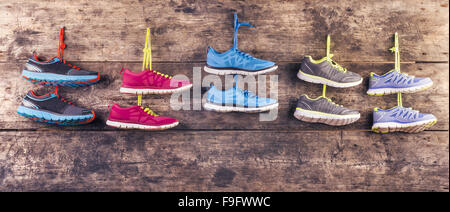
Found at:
(235, 61)
(237, 100)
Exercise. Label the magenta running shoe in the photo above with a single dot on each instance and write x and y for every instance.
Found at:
(137, 117)
(151, 82)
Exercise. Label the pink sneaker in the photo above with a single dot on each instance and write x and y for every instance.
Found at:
(151, 82)
(137, 117)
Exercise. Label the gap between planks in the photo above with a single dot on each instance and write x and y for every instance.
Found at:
(193, 62)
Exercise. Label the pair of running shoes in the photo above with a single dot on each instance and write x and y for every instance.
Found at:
(235, 62)
(51, 107)
(323, 110)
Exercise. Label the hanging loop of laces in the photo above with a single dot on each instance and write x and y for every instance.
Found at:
(147, 61)
(61, 45)
(329, 56)
(237, 24)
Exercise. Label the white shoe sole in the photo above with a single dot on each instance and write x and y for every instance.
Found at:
(154, 91)
(385, 91)
(139, 126)
(220, 108)
(321, 80)
(399, 127)
(331, 119)
(240, 72)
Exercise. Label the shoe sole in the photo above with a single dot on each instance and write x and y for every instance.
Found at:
(225, 109)
(330, 119)
(385, 91)
(42, 116)
(400, 127)
(124, 125)
(237, 71)
(56, 79)
(153, 91)
(320, 80)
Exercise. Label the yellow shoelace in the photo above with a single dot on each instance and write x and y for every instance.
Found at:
(149, 111)
(329, 56)
(396, 51)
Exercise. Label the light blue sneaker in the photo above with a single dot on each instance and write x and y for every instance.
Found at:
(237, 100)
(235, 61)
(396, 82)
(401, 119)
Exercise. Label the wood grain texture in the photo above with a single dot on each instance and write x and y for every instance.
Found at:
(223, 161)
(286, 30)
(99, 96)
(225, 152)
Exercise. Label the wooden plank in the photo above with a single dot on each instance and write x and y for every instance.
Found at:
(286, 30)
(434, 100)
(223, 161)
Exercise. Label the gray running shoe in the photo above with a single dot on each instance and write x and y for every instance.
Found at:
(52, 108)
(323, 110)
(326, 71)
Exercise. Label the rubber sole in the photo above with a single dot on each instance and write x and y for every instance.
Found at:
(320, 80)
(56, 79)
(238, 71)
(330, 119)
(386, 91)
(225, 109)
(154, 91)
(42, 116)
(124, 125)
(400, 127)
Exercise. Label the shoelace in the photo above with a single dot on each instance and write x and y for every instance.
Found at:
(403, 77)
(70, 65)
(163, 75)
(149, 111)
(65, 100)
(246, 55)
(248, 93)
(331, 101)
(407, 113)
(334, 64)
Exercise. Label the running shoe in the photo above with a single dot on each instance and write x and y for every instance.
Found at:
(151, 82)
(57, 72)
(396, 82)
(137, 117)
(326, 71)
(401, 119)
(237, 100)
(323, 110)
(51, 108)
(235, 61)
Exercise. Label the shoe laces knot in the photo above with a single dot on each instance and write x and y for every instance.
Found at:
(66, 101)
(161, 74)
(70, 65)
(331, 101)
(336, 65)
(149, 111)
(246, 55)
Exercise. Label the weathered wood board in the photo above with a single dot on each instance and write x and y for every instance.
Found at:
(225, 152)
(286, 30)
(223, 161)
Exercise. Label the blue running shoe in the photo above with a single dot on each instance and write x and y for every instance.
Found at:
(401, 119)
(237, 100)
(396, 82)
(235, 61)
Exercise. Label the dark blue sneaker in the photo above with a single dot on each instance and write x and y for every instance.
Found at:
(235, 61)
(57, 72)
(51, 108)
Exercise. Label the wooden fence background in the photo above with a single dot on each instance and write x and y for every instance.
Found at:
(212, 151)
